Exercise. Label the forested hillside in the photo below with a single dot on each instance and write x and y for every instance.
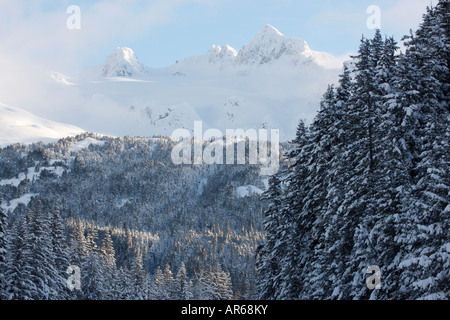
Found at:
(137, 225)
(370, 180)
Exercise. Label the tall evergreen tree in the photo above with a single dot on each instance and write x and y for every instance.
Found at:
(324, 137)
(183, 291)
(204, 287)
(222, 282)
(162, 292)
(92, 278)
(43, 274)
(108, 250)
(268, 262)
(20, 265)
(3, 251)
(374, 180)
(79, 248)
(426, 81)
(140, 282)
(60, 252)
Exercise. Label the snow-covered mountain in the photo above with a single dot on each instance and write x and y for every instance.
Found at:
(272, 82)
(122, 62)
(268, 47)
(271, 46)
(17, 125)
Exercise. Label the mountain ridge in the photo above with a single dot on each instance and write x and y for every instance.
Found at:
(267, 47)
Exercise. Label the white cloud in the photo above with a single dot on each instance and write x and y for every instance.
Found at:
(404, 14)
(37, 30)
(35, 40)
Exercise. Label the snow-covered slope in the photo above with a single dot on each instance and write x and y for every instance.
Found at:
(17, 125)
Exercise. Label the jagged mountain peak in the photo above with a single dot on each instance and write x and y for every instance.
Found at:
(221, 54)
(122, 62)
(269, 30)
(269, 45)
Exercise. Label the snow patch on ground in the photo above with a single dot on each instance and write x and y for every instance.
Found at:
(122, 202)
(266, 183)
(25, 199)
(201, 186)
(31, 175)
(246, 191)
(83, 144)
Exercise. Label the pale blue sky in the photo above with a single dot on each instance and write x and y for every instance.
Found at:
(162, 31)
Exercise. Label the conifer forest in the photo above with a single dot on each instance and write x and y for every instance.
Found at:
(367, 183)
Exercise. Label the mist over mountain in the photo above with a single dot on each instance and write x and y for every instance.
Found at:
(272, 82)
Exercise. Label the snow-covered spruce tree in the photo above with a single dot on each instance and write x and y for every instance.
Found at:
(19, 266)
(140, 280)
(392, 180)
(369, 189)
(123, 284)
(108, 250)
(355, 164)
(385, 174)
(283, 255)
(91, 240)
(111, 274)
(203, 286)
(268, 262)
(3, 251)
(60, 251)
(183, 291)
(335, 247)
(78, 254)
(162, 291)
(169, 282)
(94, 270)
(43, 273)
(92, 278)
(325, 139)
(295, 232)
(222, 282)
(425, 81)
(78, 245)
